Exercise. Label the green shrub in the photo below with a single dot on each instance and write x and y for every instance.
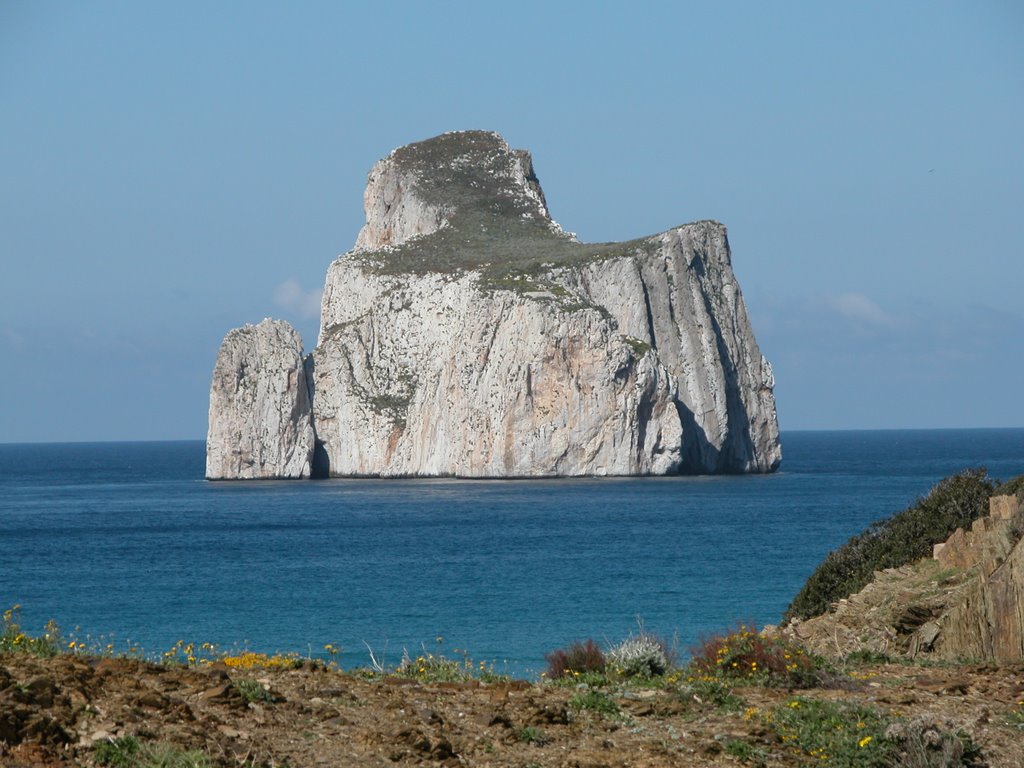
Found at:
(596, 701)
(531, 735)
(128, 752)
(642, 655)
(253, 691)
(745, 752)
(1012, 487)
(14, 639)
(575, 660)
(117, 753)
(748, 656)
(868, 656)
(431, 668)
(592, 679)
(711, 691)
(435, 667)
(855, 735)
(908, 536)
(161, 755)
(1015, 717)
(834, 733)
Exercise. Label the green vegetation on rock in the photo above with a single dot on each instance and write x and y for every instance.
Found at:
(908, 536)
(640, 348)
(1012, 487)
(493, 227)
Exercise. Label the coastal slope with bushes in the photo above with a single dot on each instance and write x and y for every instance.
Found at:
(819, 691)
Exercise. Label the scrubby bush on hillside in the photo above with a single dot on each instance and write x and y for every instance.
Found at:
(908, 536)
(642, 655)
(1012, 487)
(14, 639)
(577, 658)
(749, 656)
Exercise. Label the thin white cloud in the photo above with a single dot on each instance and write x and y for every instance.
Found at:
(291, 296)
(858, 307)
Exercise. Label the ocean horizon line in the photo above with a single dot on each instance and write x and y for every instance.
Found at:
(814, 430)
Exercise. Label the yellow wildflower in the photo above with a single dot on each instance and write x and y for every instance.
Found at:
(864, 742)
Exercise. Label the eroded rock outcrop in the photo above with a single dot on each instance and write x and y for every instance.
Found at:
(260, 423)
(967, 602)
(467, 334)
(986, 620)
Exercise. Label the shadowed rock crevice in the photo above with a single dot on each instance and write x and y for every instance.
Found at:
(320, 465)
(698, 452)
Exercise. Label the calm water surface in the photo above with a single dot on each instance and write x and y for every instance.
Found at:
(127, 539)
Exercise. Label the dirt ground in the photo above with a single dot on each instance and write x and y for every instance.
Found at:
(54, 711)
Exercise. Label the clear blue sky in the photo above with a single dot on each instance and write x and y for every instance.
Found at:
(171, 170)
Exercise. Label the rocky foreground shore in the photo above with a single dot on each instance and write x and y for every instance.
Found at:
(83, 711)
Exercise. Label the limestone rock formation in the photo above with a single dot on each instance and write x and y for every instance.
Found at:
(967, 602)
(467, 334)
(260, 423)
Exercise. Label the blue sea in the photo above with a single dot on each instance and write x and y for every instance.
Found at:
(127, 542)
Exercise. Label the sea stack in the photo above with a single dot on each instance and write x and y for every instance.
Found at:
(468, 335)
(261, 422)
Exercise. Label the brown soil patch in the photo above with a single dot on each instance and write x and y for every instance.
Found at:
(53, 712)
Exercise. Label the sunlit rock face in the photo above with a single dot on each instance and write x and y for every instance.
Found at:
(467, 334)
(260, 422)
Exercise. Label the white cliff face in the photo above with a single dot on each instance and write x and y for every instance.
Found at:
(394, 213)
(260, 423)
(451, 354)
(431, 376)
(466, 334)
(679, 295)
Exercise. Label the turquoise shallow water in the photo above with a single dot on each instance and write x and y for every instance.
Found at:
(127, 539)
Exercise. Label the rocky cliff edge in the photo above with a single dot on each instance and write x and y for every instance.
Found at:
(966, 602)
